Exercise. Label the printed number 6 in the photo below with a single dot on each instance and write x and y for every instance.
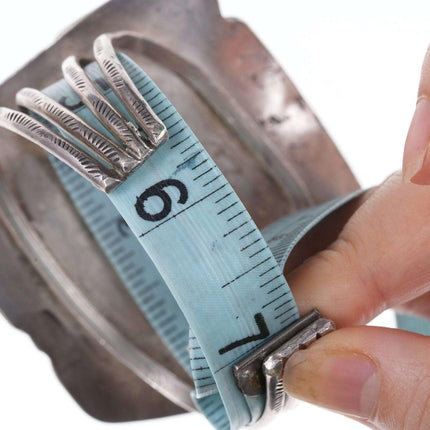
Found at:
(158, 191)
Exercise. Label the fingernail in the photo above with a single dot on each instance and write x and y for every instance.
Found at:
(416, 161)
(344, 382)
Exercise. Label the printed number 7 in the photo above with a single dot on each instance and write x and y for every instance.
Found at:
(264, 332)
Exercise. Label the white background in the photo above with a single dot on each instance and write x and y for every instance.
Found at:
(356, 63)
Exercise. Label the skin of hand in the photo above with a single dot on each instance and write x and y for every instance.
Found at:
(380, 259)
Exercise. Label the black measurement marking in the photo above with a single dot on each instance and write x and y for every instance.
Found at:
(188, 148)
(204, 378)
(204, 173)
(189, 159)
(274, 300)
(235, 216)
(276, 288)
(129, 267)
(287, 319)
(181, 141)
(223, 197)
(111, 244)
(167, 332)
(250, 244)
(135, 274)
(138, 284)
(158, 104)
(144, 86)
(270, 280)
(198, 358)
(125, 257)
(148, 92)
(85, 203)
(212, 180)
(217, 422)
(175, 134)
(268, 270)
(82, 194)
(257, 252)
(123, 228)
(247, 234)
(183, 210)
(155, 306)
(285, 312)
(244, 273)
(72, 181)
(166, 321)
(211, 384)
(263, 333)
(236, 228)
(197, 369)
(153, 98)
(157, 190)
(198, 165)
(213, 410)
(98, 219)
(175, 123)
(117, 251)
(168, 116)
(227, 208)
(283, 304)
(95, 210)
(106, 236)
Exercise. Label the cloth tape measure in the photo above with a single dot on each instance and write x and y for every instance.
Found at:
(205, 277)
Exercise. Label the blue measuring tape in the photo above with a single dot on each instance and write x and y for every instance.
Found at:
(206, 278)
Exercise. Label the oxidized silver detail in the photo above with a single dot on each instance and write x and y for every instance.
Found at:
(124, 87)
(262, 371)
(98, 158)
(71, 124)
(122, 129)
(66, 151)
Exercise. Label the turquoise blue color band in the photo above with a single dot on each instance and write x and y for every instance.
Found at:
(210, 268)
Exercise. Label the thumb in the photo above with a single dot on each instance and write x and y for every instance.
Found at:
(379, 376)
(416, 156)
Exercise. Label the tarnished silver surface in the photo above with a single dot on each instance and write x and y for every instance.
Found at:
(155, 375)
(252, 121)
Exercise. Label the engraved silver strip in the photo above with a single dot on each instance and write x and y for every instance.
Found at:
(121, 129)
(124, 87)
(70, 123)
(262, 371)
(100, 176)
(105, 162)
(273, 366)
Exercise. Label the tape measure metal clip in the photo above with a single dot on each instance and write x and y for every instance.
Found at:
(262, 371)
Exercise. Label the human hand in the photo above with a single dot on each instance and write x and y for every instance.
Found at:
(380, 260)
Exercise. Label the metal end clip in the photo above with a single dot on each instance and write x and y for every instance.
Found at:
(98, 158)
(262, 371)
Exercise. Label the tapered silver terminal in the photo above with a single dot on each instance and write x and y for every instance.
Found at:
(125, 89)
(97, 157)
(262, 371)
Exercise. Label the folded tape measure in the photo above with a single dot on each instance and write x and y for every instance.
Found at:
(209, 282)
